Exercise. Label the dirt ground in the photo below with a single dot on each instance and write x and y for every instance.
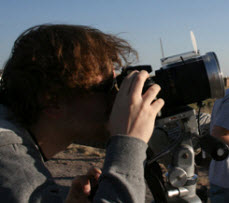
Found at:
(77, 159)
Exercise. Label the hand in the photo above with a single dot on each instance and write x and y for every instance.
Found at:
(134, 114)
(81, 186)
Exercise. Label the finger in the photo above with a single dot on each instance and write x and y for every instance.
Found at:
(151, 94)
(138, 83)
(127, 82)
(157, 105)
(94, 172)
(81, 185)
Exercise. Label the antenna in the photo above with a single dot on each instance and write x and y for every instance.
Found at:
(194, 44)
(162, 51)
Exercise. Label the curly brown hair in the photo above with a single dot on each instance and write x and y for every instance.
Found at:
(50, 63)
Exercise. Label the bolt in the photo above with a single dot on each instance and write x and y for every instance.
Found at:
(185, 155)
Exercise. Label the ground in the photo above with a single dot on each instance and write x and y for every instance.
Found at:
(77, 159)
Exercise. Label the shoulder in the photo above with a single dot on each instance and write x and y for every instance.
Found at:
(23, 175)
(8, 137)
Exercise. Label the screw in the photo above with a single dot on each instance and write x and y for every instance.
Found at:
(185, 155)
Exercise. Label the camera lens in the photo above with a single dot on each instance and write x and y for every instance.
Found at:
(189, 81)
(184, 82)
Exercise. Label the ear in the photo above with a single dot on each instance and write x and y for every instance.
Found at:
(53, 112)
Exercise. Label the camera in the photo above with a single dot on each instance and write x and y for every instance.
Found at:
(184, 79)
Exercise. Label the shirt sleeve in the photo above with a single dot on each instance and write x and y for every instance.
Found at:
(122, 178)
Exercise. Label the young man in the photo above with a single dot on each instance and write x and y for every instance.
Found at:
(58, 87)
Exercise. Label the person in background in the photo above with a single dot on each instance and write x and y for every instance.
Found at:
(219, 170)
(57, 88)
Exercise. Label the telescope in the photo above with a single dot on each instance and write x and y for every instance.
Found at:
(184, 79)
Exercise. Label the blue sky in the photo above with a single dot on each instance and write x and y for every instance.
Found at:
(142, 23)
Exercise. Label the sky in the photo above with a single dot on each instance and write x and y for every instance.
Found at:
(142, 23)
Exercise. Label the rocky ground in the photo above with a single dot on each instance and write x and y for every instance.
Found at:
(77, 159)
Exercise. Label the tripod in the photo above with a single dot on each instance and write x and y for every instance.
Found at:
(180, 183)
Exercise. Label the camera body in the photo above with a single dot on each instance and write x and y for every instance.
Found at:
(184, 79)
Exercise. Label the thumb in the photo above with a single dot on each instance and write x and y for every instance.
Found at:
(81, 184)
